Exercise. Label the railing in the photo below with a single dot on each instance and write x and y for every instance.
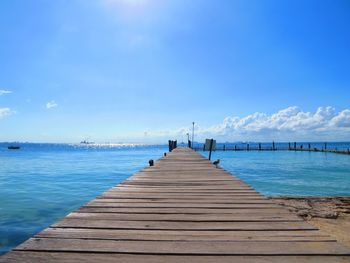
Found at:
(343, 148)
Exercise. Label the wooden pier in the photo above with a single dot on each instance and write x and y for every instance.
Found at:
(252, 149)
(182, 209)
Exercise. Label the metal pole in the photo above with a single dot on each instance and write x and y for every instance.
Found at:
(211, 148)
(192, 134)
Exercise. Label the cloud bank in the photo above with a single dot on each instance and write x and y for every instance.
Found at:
(51, 104)
(290, 123)
(2, 92)
(4, 112)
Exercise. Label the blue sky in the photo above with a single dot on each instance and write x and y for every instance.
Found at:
(143, 70)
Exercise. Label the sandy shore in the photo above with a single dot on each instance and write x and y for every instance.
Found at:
(330, 214)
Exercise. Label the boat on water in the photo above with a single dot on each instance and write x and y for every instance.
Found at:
(86, 142)
(12, 147)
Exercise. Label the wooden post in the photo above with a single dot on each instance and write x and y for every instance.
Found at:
(170, 145)
(325, 146)
(247, 146)
(289, 146)
(295, 145)
(235, 147)
(309, 146)
(259, 146)
(224, 148)
(273, 146)
(210, 148)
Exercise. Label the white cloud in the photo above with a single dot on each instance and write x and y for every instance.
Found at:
(2, 92)
(287, 124)
(51, 104)
(4, 112)
(341, 120)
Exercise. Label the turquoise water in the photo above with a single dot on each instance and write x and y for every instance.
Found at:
(289, 172)
(41, 183)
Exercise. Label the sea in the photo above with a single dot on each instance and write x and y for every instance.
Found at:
(42, 182)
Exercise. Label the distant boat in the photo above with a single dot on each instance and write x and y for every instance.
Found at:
(86, 142)
(13, 147)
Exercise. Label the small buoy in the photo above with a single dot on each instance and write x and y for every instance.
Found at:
(151, 162)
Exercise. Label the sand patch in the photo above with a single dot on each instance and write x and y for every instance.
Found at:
(330, 214)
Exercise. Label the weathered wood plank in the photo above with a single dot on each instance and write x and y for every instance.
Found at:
(178, 235)
(66, 257)
(179, 225)
(101, 203)
(183, 191)
(181, 197)
(188, 217)
(107, 199)
(185, 248)
(162, 210)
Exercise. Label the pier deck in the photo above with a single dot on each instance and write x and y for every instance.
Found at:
(183, 209)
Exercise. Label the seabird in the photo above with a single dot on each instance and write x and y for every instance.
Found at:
(216, 163)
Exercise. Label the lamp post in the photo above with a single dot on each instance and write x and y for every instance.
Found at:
(192, 134)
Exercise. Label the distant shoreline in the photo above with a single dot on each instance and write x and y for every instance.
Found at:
(183, 143)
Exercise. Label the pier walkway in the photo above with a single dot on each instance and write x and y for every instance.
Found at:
(182, 209)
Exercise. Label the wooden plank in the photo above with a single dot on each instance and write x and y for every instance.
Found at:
(188, 217)
(184, 191)
(185, 179)
(185, 187)
(181, 189)
(179, 235)
(185, 248)
(179, 225)
(101, 203)
(162, 210)
(180, 197)
(66, 257)
(187, 201)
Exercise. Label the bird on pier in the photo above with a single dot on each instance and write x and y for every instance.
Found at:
(216, 163)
